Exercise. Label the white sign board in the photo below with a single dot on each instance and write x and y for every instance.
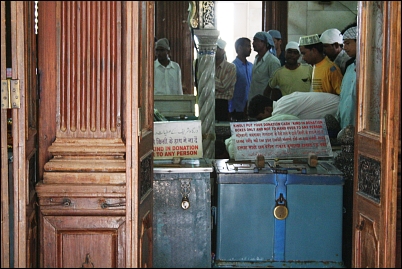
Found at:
(280, 139)
(177, 139)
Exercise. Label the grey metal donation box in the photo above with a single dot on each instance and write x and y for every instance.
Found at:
(182, 213)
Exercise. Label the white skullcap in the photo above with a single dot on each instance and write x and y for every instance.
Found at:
(309, 40)
(292, 45)
(331, 36)
(163, 42)
(350, 33)
(221, 43)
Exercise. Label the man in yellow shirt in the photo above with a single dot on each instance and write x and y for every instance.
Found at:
(333, 47)
(327, 76)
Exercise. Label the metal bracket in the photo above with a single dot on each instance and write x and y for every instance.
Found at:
(185, 187)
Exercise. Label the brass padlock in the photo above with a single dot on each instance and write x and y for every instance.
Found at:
(281, 211)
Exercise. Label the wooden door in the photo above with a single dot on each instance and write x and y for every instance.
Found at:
(19, 212)
(377, 134)
(139, 129)
(95, 135)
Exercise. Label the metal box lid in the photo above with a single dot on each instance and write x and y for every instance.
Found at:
(185, 165)
(285, 166)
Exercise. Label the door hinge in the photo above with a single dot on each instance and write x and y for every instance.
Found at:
(10, 93)
(384, 123)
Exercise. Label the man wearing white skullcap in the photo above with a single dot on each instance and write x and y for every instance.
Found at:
(333, 47)
(225, 80)
(346, 114)
(221, 43)
(327, 76)
(264, 65)
(167, 73)
(292, 77)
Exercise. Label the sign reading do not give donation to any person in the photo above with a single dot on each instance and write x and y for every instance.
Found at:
(177, 139)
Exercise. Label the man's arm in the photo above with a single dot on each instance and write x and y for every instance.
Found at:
(336, 80)
(272, 93)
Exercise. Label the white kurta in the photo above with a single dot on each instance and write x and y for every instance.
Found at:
(167, 80)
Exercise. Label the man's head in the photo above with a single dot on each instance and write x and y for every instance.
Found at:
(220, 49)
(162, 49)
(262, 41)
(243, 46)
(349, 41)
(292, 53)
(260, 107)
(332, 42)
(277, 37)
(311, 48)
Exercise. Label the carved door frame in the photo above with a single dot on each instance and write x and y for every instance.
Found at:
(139, 130)
(377, 134)
(19, 217)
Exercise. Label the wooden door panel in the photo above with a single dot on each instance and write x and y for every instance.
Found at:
(90, 243)
(377, 134)
(79, 241)
(89, 69)
(368, 242)
(138, 55)
(96, 67)
(32, 236)
(146, 240)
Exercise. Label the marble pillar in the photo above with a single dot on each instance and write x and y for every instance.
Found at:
(206, 88)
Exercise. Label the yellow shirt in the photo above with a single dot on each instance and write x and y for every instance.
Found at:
(327, 77)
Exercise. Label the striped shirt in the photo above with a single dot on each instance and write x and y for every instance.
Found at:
(225, 80)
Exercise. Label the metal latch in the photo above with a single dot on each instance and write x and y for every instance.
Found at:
(185, 187)
(10, 93)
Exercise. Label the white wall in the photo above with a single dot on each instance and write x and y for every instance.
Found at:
(312, 17)
(236, 19)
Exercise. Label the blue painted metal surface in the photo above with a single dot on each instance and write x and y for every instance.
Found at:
(280, 225)
(248, 234)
